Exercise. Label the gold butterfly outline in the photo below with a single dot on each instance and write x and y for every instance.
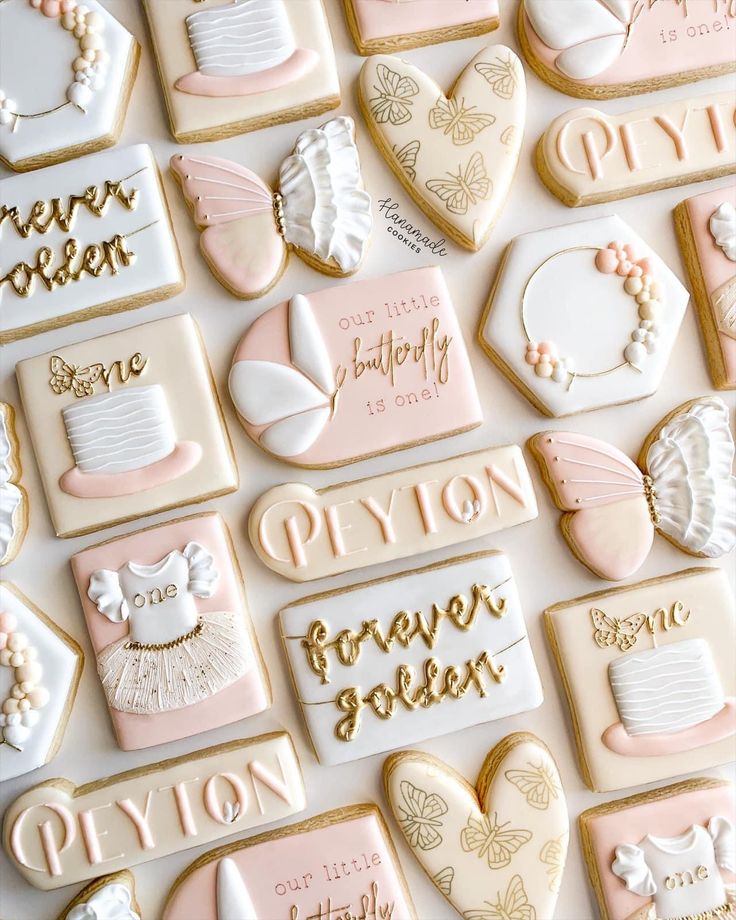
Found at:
(457, 120)
(407, 158)
(552, 855)
(421, 816)
(513, 906)
(394, 100)
(501, 75)
(537, 784)
(80, 380)
(613, 631)
(467, 187)
(490, 839)
(444, 879)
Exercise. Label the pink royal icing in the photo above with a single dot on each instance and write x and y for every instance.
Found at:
(388, 18)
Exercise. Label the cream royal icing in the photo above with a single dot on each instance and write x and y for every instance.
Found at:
(13, 498)
(113, 902)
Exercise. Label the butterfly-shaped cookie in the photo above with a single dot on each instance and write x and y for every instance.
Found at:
(684, 489)
(320, 210)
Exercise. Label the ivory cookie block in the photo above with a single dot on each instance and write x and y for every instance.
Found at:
(582, 316)
(385, 27)
(339, 864)
(370, 676)
(706, 227)
(126, 425)
(42, 666)
(587, 156)
(13, 497)
(66, 80)
(339, 375)
(648, 672)
(305, 534)
(110, 896)
(599, 50)
(231, 66)
(84, 239)
(170, 600)
(56, 833)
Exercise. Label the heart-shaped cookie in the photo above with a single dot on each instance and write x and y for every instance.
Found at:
(456, 155)
(496, 850)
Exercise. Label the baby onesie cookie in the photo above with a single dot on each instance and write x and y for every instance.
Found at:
(587, 156)
(397, 25)
(600, 49)
(339, 375)
(168, 620)
(320, 211)
(56, 833)
(648, 672)
(582, 316)
(163, 443)
(111, 897)
(43, 666)
(231, 66)
(682, 488)
(84, 239)
(371, 676)
(455, 154)
(343, 857)
(305, 534)
(706, 228)
(667, 854)
(496, 850)
(13, 497)
(68, 71)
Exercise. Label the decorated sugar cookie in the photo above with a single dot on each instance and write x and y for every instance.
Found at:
(557, 322)
(706, 227)
(42, 666)
(341, 374)
(648, 671)
(496, 850)
(598, 49)
(54, 833)
(84, 239)
(338, 864)
(163, 443)
(455, 154)
(13, 497)
(682, 488)
(667, 854)
(231, 66)
(111, 897)
(320, 210)
(68, 70)
(587, 156)
(176, 651)
(387, 26)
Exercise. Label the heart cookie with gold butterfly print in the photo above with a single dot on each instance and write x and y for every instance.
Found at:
(455, 154)
(494, 851)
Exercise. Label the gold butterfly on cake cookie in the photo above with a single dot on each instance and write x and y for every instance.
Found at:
(467, 187)
(513, 906)
(420, 816)
(80, 380)
(613, 631)
(537, 784)
(501, 75)
(489, 839)
(393, 101)
(457, 120)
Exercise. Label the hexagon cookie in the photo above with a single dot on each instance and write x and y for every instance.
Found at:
(42, 665)
(66, 79)
(582, 316)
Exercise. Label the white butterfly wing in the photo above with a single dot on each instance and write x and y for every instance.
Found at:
(590, 58)
(292, 436)
(265, 392)
(308, 349)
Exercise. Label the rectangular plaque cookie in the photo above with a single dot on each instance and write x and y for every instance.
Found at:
(84, 239)
(405, 658)
(125, 425)
(648, 671)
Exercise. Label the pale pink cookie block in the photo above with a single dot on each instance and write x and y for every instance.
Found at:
(388, 18)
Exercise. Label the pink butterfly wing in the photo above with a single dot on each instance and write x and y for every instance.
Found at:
(220, 190)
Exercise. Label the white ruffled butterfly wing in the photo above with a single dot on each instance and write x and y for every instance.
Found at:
(590, 34)
(233, 900)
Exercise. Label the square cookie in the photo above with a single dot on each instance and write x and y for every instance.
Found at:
(649, 676)
(335, 866)
(126, 425)
(84, 239)
(169, 624)
(665, 854)
(706, 227)
(231, 66)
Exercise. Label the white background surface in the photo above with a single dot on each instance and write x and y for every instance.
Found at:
(545, 570)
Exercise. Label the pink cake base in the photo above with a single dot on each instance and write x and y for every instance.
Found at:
(301, 62)
(721, 726)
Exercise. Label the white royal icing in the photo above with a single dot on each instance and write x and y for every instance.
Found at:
(723, 228)
(690, 463)
(233, 900)
(11, 497)
(113, 902)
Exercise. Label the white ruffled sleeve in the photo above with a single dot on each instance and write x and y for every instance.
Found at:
(106, 594)
(202, 572)
(631, 867)
(724, 842)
